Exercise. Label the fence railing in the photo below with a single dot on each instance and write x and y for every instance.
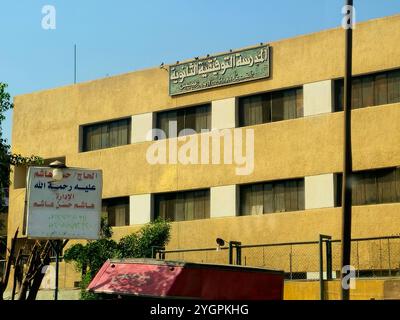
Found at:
(371, 257)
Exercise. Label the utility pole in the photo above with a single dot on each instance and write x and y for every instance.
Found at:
(347, 152)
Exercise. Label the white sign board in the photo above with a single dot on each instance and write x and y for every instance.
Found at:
(65, 209)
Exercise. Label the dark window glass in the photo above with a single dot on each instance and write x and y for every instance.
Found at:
(338, 189)
(182, 206)
(106, 135)
(276, 196)
(270, 107)
(116, 210)
(370, 90)
(372, 187)
(196, 118)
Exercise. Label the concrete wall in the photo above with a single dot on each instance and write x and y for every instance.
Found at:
(319, 191)
(318, 97)
(366, 289)
(224, 201)
(142, 124)
(140, 209)
(224, 113)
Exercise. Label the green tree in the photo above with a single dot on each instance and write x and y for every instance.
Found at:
(90, 257)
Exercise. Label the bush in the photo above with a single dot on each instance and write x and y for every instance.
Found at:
(90, 258)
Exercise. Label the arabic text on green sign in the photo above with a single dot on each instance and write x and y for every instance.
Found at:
(225, 69)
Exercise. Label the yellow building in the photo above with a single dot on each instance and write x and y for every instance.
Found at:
(288, 194)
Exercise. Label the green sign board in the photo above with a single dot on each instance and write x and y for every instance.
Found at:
(220, 70)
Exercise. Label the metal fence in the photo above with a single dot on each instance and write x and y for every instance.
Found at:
(371, 257)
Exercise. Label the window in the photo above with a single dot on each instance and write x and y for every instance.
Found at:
(106, 135)
(116, 210)
(196, 118)
(270, 107)
(183, 206)
(375, 186)
(277, 196)
(338, 189)
(370, 90)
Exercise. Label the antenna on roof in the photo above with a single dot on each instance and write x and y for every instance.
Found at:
(75, 64)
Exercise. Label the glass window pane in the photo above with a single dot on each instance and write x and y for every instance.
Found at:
(279, 196)
(394, 87)
(202, 118)
(251, 110)
(381, 89)
(398, 184)
(289, 104)
(386, 180)
(183, 206)
(114, 134)
(358, 194)
(245, 200)
(339, 95)
(367, 91)
(291, 200)
(120, 215)
(356, 94)
(300, 196)
(257, 199)
(268, 198)
(299, 103)
(277, 106)
(116, 210)
(179, 214)
(190, 119)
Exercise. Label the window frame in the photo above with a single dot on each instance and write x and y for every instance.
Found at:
(281, 193)
(182, 116)
(176, 201)
(385, 79)
(108, 124)
(270, 101)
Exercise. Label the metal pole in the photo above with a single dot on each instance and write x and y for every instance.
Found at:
(347, 159)
(321, 269)
(230, 252)
(290, 262)
(56, 246)
(390, 265)
(328, 260)
(238, 254)
(75, 63)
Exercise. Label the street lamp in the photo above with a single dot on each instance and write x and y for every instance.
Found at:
(57, 245)
(57, 171)
(232, 244)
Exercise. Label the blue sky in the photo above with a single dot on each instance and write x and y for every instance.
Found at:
(119, 36)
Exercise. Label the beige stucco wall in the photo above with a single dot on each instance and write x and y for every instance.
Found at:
(318, 97)
(142, 124)
(47, 124)
(319, 191)
(224, 113)
(140, 208)
(366, 289)
(224, 201)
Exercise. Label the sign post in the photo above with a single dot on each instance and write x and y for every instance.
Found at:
(63, 203)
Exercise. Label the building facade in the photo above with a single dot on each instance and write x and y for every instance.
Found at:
(292, 192)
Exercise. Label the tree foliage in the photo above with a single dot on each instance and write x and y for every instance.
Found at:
(90, 257)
